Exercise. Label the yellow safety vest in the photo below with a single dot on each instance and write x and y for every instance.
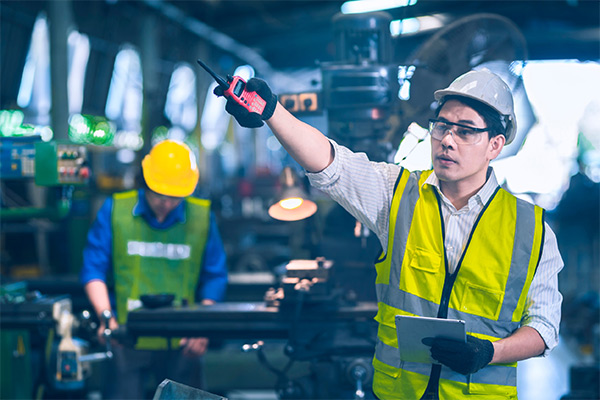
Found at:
(488, 289)
(154, 261)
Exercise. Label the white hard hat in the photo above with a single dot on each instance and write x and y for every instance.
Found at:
(488, 88)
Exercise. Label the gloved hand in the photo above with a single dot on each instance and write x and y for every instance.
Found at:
(465, 358)
(244, 117)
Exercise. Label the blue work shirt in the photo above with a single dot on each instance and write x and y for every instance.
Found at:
(97, 255)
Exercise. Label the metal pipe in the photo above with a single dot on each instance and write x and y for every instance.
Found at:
(60, 209)
(216, 38)
(95, 357)
(12, 214)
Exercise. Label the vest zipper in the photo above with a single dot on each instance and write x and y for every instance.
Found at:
(432, 391)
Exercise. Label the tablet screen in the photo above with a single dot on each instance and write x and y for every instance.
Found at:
(411, 330)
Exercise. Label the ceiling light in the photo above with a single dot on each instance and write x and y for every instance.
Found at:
(364, 6)
(419, 24)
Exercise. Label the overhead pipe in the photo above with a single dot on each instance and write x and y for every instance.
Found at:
(213, 36)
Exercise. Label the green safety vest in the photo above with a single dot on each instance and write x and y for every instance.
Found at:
(153, 261)
(488, 289)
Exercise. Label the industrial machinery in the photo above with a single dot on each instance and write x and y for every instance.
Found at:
(42, 182)
(72, 359)
(39, 351)
(339, 343)
(53, 163)
(60, 163)
(360, 88)
(306, 282)
(377, 87)
(318, 322)
(315, 319)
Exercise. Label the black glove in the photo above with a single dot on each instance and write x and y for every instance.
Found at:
(465, 358)
(244, 117)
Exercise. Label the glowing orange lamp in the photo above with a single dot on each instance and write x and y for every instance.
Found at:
(292, 202)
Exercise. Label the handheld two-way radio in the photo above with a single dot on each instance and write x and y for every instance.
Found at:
(235, 87)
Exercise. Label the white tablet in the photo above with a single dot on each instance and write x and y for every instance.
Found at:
(411, 330)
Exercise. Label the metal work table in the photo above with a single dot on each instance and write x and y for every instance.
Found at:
(246, 320)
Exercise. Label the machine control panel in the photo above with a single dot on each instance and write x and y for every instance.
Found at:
(59, 163)
(17, 157)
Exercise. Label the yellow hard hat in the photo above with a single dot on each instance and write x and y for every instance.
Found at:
(170, 169)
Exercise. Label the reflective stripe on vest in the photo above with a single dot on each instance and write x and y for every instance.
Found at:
(506, 238)
(153, 261)
(488, 375)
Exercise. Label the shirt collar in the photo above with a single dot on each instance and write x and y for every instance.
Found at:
(142, 208)
(482, 196)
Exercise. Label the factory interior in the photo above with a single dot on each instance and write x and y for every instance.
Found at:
(89, 87)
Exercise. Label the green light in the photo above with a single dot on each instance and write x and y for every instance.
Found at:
(90, 129)
(25, 130)
(10, 119)
(79, 128)
(10, 122)
(11, 125)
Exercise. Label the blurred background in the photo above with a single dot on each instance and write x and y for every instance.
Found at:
(87, 87)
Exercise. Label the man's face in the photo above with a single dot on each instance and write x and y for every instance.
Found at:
(161, 205)
(464, 166)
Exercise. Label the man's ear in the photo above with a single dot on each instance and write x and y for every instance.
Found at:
(495, 146)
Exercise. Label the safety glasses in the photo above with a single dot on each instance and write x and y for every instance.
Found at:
(462, 134)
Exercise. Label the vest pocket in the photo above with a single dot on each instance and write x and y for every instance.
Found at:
(423, 274)
(385, 381)
(482, 301)
(491, 392)
(425, 261)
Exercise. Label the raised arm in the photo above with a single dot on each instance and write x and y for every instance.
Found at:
(306, 144)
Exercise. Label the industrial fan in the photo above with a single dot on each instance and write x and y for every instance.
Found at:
(472, 42)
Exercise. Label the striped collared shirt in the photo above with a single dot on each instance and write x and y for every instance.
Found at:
(459, 223)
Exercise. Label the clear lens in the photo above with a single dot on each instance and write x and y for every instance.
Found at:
(460, 133)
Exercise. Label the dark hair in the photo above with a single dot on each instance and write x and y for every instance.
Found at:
(492, 118)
